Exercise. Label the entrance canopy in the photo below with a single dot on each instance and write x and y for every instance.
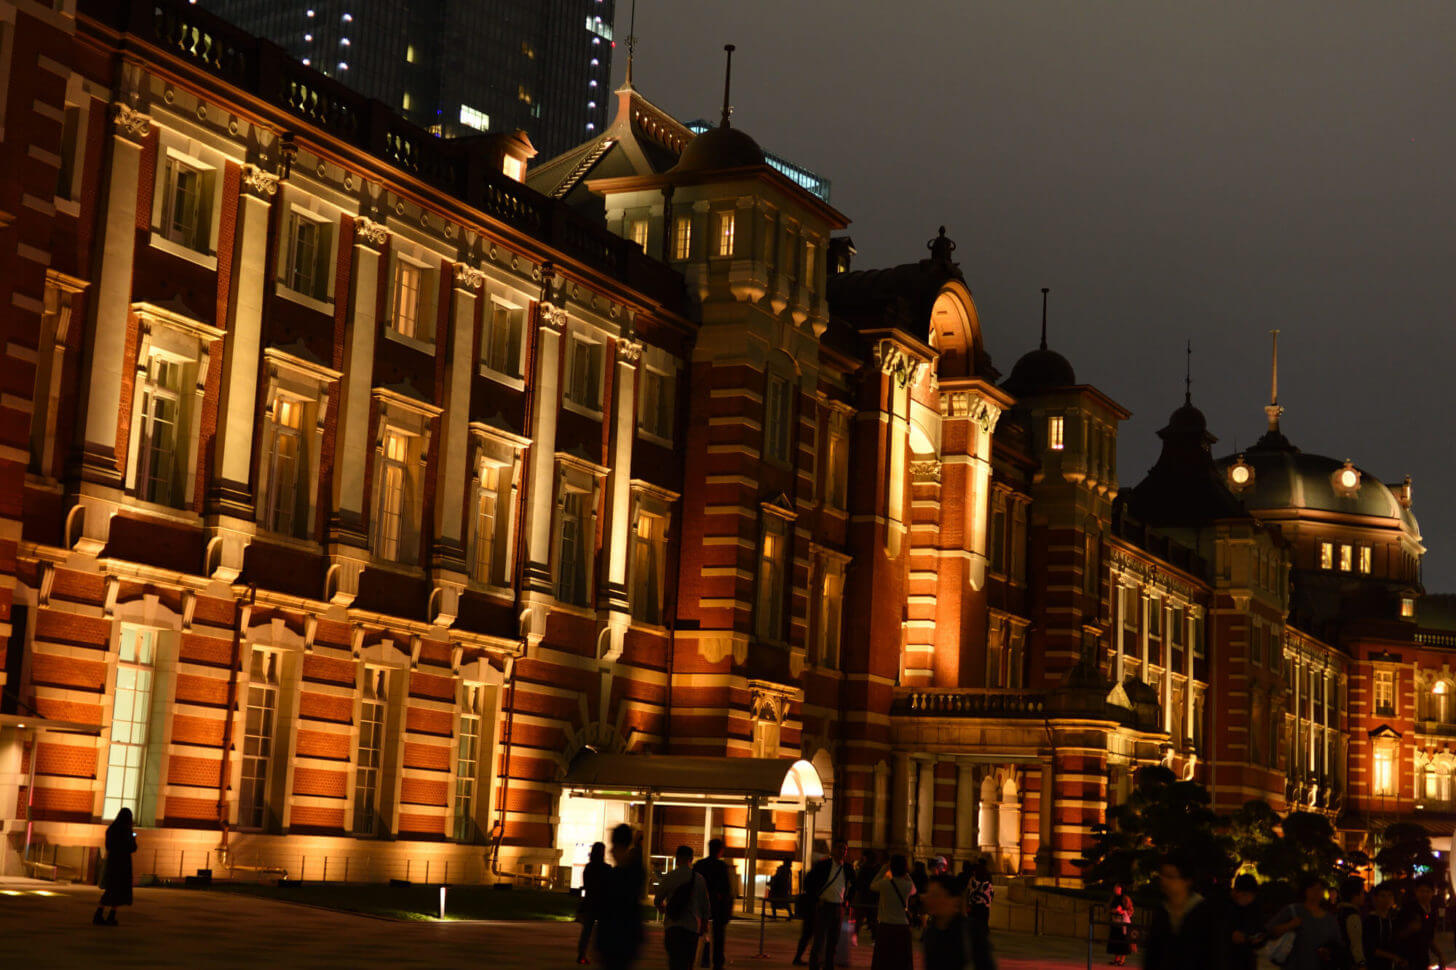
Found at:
(777, 783)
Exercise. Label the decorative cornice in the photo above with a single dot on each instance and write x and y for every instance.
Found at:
(552, 317)
(131, 122)
(258, 182)
(467, 277)
(369, 231)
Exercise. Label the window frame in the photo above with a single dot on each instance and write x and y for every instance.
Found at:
(1056, 432)
(295, 214)
(682, 238)
(578, 336)
(174, 149)
(778, 418)
(516, 313)
(657, 512)
(772, 577)
(665, 412)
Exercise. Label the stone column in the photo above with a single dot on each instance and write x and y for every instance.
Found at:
(1118, 669)
(113, 298)
(965, 837)
(881, 829)
(541, 486)
(619, 490)
(1190, 625)
(1167, 665)
(900, 800)
(925, 805)
(1145, 610)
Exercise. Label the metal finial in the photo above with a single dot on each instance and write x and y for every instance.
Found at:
(1188, 373)
(1272, 410)
(1044, 291)
(727, 86)
(631, 40)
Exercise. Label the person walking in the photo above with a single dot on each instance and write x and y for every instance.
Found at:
(719, 879)
(828, 885)
(1316, 931)
(593, 893)
(1350, 916)
(1184, 934)
(619, 917)
(116, 870)
(1378, 933)
(1246, 924)
(980, 893)
(864, 905)
(1119, 926)
(682, 898)
(946, 939)
(804, 906)
(1415, 927)
(893, 885)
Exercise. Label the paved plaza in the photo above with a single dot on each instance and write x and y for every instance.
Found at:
(193, 928)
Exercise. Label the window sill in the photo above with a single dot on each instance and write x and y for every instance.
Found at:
(514, 383)
(654, 438)
(642, 626)
(413, 343)
(568, 404)
(169, 512)
(68, 207)
(266, 534)
(162, 243)
(488, 589)
(397, 568)
(304, 300)
(585, 612)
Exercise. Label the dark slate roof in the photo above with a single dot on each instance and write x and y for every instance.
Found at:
(1184, 487)
(1287, 478)
(1039, 370)
(718, 149)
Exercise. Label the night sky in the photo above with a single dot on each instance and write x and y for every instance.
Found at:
(1203, 171)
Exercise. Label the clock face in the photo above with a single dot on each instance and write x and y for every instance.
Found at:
(1349, 478)
(1239, 474)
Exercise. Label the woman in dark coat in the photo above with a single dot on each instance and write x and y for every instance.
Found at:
(116, 875)
(1119, 927)
(593, 896)
(1185, 934)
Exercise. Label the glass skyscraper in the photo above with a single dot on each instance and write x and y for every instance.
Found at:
(544, 66)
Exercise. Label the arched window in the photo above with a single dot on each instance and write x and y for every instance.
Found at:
(1428, 783)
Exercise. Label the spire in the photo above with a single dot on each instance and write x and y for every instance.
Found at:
(727, 85)
(1044, 291)
(631, 40)
(1188, 374)
(1272, 409)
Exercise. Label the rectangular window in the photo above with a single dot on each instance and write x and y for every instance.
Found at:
(766, 734)
(725, 233)
(772, 562)
(470, 117)
(649, 563)
(1055, 433)
(1155, 619)
(306, 256)
(682, 237)
(1385, 693)
(811, 254)
(574, 537)
(1407, 607)
(131, 721)
(837, 463)
(187, 205)
(1366, 559)
(486, 526)
(584, 380)
(655, 404)
(637, 232)
(1131, 607)
(503, 341)
(831, 610)
(70, 149)
(467, 763)
(159, 477)
(370, 762)
(1327, 555)
(285, 467)
(998, 539)
(394, 481)
(1347, 558)
(1384, 780)
(514, 168)
(258, 738)
(776, 420)
(407, 292)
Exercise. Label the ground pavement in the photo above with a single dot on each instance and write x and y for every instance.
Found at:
(195, 928)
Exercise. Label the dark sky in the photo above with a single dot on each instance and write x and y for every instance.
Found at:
(1173, 171)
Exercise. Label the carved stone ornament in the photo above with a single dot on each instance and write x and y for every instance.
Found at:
(468, 277)
(130, 121)
(629, 351)
(367, 230)
(553, 317)
(925, 471)
(985, 414)
(259, 183)
(892, 360)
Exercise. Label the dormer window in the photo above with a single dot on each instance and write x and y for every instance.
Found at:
(514, 168)
(1056, 432)
(1407, 607)
(682, 237)
(725, 234)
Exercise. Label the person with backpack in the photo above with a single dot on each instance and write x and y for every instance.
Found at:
(719, 879)
(1350, 914)
(682, 898)
(1316, 943)
(893, 885)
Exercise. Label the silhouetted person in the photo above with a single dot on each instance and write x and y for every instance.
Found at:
(719, 878)
(980, 892)
(619, 918)
(893, 949)
(946, 938)
(827, 886)
(593, 893)
(1246, 924)
(1350, 914)
(1119, 926)
(864, 905)
(781, 889)
(1185, 933)
(116, 874)
(1415, 927)
(1378, 933)
(804, 903)
(1316, 931)
(682, 898)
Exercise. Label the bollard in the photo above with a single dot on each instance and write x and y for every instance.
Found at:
(326, 868)
(346, 868)
(762, 954)
(427, 870)
(406, 870)
(442, 902)
(181, 862)
(446, 880)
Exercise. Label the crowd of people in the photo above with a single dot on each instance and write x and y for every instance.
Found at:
(1390, 927)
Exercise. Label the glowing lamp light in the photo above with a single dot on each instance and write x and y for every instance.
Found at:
(1349, 477)
(1239, 474)
(1440, 687)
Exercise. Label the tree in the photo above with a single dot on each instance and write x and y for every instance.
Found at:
(1405, 850)
(1162, 815)
(1254, 829)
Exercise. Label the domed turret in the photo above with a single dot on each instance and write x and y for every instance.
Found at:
(1041, 369)
(717, 149)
